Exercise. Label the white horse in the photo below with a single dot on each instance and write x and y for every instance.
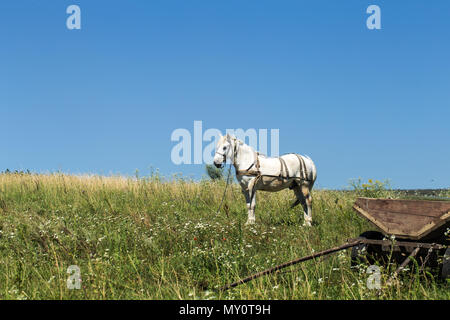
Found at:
(258, 172)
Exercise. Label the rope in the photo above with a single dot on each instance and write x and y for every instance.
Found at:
(225, 191)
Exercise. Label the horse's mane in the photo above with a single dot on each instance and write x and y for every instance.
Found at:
(260, 154)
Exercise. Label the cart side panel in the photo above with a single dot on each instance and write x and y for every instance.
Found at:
(413, 207)
(412, 219)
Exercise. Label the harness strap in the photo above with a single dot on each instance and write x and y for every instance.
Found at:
(283, 168)
(249, 172)
(303, 174)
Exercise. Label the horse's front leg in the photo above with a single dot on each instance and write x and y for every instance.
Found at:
(250, 199)
(246, 194)
(251, 208)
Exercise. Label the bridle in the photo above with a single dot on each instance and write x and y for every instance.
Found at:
(224, 155)
(224, 158)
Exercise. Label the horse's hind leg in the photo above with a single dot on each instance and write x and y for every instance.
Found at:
(300, 200)
(296, 203)
(299, 195)
(295, 187)
(308, 204)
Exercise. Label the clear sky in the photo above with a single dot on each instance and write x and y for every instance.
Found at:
(105, 99)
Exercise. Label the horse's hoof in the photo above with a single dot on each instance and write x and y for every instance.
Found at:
(250, 222)
(307, 224)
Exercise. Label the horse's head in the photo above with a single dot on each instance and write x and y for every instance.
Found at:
(224, 149)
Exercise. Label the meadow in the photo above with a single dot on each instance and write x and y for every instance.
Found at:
(152, 238)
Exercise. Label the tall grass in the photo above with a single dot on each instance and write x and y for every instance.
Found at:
(146, 238)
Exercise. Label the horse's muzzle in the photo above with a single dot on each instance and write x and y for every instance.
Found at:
(218, 165)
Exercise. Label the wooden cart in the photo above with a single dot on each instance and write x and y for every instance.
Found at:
(406, 229)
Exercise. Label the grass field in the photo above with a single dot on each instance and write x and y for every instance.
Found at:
(154, 239)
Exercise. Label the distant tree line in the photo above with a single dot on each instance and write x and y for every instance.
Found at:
(7, 171)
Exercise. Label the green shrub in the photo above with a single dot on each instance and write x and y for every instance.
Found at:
(372, 189)
(214, 173)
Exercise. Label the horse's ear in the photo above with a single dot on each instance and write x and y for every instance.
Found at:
(228, 136)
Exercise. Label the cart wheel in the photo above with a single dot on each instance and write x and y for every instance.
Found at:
(445, 273)
(363, 252)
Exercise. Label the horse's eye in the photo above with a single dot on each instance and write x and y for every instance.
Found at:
(224, 148)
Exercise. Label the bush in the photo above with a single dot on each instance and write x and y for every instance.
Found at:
(372, 189)
(214, 173)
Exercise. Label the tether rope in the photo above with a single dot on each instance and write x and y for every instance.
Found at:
(225, 191)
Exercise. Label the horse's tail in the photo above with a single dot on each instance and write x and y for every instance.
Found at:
(313, 169)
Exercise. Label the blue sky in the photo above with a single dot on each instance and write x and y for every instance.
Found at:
(105, 99)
